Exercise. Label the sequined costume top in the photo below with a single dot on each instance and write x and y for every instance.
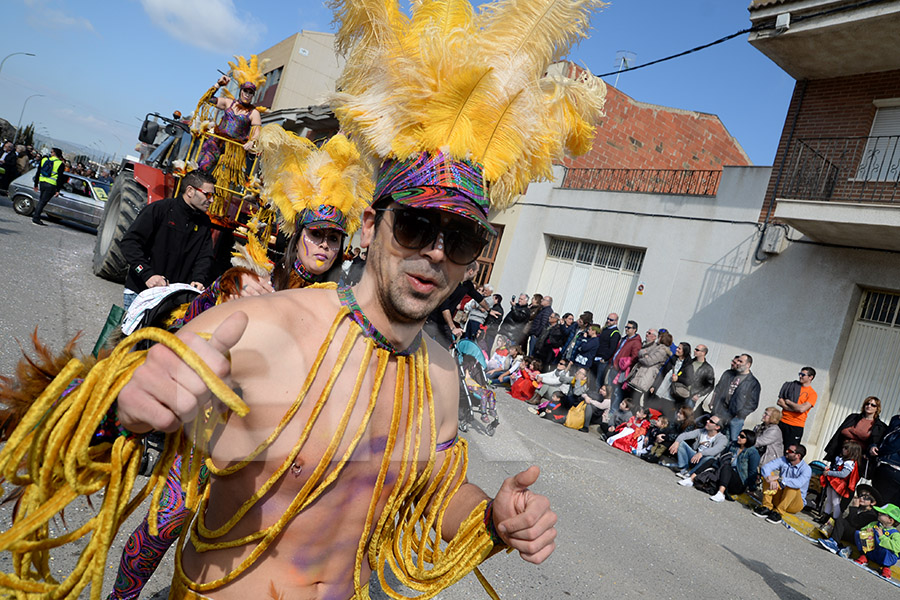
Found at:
(233, 125)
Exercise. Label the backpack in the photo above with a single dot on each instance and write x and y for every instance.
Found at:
(46, 167)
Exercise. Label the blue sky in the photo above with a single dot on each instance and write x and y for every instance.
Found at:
(102, 65)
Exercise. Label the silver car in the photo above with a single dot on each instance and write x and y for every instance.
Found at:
(80, 199)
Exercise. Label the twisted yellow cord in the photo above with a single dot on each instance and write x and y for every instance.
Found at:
(407, 533)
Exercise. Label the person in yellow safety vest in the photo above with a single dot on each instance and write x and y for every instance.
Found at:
(50, 177)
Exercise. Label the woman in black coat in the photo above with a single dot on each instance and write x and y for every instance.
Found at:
(864, 428)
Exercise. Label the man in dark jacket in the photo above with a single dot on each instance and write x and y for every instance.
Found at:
(8, 162)
(703, 377)
(50, 176)
(736, 396)
(539, 324)
(513, 326)
(440, 324)
(170, 240)
(609, 342)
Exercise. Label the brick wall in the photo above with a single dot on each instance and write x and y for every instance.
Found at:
(838, 107)
(635, 135)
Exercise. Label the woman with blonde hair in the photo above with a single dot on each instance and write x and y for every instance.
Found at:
(769, 442)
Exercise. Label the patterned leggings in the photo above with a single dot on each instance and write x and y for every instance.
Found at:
(143, 552)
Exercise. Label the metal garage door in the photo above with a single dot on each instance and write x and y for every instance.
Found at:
(869, 366)
(583, 276)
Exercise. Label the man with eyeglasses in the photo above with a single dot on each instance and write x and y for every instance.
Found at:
(170, 241)
(704, 376)
(795, 399)
(787, 480)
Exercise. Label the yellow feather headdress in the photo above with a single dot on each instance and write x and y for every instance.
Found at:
(330, 185)
(469, 86)
(251, 71)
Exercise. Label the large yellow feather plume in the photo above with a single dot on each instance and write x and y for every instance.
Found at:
(243, 70)
(298, 176)
(472, 85)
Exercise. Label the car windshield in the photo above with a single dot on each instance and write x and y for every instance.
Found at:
(101, 190)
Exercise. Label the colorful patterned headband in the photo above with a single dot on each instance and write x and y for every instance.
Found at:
(323, 217)
(436, 181)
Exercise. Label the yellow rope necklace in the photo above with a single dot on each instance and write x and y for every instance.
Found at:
(53, 441)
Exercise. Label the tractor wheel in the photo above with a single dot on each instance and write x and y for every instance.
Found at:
(126, 199)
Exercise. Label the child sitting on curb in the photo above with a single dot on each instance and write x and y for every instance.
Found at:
(879, 541)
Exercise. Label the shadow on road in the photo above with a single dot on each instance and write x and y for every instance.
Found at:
(778, 582)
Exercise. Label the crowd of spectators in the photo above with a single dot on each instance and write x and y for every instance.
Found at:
(663, 401)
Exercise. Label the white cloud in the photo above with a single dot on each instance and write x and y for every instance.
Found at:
(212, 25)
(42, 14)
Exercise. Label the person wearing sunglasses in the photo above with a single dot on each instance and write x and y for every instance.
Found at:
(865, 428)
(796, 399)
(348, 454)
(170, 241)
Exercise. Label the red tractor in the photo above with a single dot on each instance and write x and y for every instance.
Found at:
(158, 177)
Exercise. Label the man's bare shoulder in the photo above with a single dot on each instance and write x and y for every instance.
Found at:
(286, 309)
(445, 386)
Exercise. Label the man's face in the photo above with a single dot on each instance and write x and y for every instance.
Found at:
(741, 364)
(546, 301)
(562, 365)
(630, 330)
(199, 199)
(409, 284)
(700, 352)
(791, 454)
(734, 362)
(713, 424)
(523, 300)
(650, 336)
(612, 319)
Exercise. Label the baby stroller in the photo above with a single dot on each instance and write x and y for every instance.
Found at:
(477, 404)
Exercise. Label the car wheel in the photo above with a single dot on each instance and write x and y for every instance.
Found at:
(125, 201)
(23, 205)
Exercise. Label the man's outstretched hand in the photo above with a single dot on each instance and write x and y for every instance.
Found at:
(524, 519)
(164, 393)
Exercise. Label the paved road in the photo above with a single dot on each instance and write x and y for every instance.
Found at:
(625, 531)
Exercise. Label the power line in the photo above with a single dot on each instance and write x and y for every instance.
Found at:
(798, 19)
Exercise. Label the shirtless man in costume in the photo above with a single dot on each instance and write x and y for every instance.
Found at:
(315, 553)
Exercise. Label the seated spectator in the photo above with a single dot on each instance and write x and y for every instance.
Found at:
(787, 480)
(497, 359)
(627, 433)
(552, 381)
(510, 367)
(649, 443)
(860, 513)
(650, 358)
(839, 481)
(578, 389)
(555, 401)
(708, 442)
(735, 476)
(768, 436)
(595, 408)
(616, 418)
(524, 385)
(683, 421)
(879, 541)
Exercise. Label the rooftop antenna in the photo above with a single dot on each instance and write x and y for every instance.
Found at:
(624, 60)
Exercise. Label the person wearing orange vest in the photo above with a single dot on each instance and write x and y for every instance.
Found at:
(50, 176)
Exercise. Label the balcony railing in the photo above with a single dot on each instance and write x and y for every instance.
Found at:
(857, 169)
(649, 181)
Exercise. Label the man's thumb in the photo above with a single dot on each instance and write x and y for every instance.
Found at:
(527, 477)
(229, 332)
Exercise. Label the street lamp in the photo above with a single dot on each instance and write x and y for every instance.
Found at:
(13, 54)
(23, 112)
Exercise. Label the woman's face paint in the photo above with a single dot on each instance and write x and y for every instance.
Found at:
(317, 249)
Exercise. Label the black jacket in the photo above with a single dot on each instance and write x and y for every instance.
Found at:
(744, 400)
(514, 323)
(541, 320)
(833, 449)
(609, 341)
(171, 239)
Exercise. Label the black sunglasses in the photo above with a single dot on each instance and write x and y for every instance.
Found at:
(415, 229)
